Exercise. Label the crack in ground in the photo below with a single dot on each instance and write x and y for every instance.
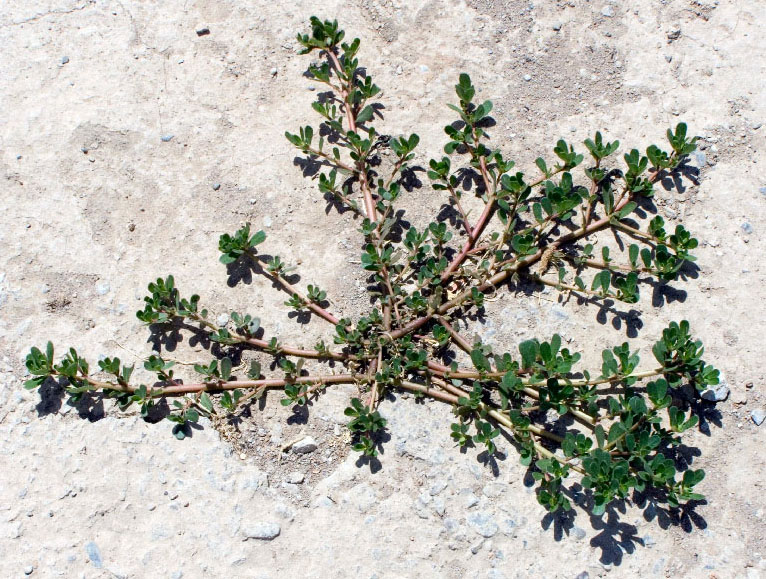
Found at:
(42, 15)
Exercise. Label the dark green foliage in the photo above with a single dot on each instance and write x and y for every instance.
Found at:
(165, 303)
(324, 34)
(681, 357)
(598, 149)
(485, 432)
(229, 400)
(162, 368)
(364, 424)
(295, 394)
(214, 371)
(460, 433)
(615, 430)
(681, 145)
(245, 323)
(235, 246)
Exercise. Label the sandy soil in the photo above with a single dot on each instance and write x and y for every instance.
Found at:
(98, 199)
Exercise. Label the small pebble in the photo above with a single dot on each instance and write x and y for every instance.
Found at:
(483, 524)
(203, 31)
(471, 500)
(607, 11)
(28, 570)
(557, 26)
(295, 478)
(166, 138)
(758, 416)
(64, 59)
(527, 77)
(222, 319)
(273, 71)
(717, 393)
(216, 186)
(577, 533)
(476, 547)
(262, 531)
(311, 87)
(94, 554)
(267, 221)
(668, 58)
(132, 227)
(305, 446)
(437, 487)
(747, 228)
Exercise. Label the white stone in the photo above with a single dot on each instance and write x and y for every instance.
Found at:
(305, 445)
(261, 531)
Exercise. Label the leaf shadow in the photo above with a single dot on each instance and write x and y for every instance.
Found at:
(615, 538)
(51, 393)
(562, 523)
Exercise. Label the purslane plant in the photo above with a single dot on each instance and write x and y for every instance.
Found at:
(615, 430)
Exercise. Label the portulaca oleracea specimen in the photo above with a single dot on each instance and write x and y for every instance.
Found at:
(614, 430)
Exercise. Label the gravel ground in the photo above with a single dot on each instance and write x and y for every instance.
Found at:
(132, 139)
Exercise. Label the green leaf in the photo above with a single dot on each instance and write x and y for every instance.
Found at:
(34, 382)
(693, 477)
(49, 353)
(627, 210)
(600, 435)
(258, 238)
(226, 369)
(205, 402)
(480, 360)
(192, 415)
(602, 280)
(540, 162)
(365, 114)
(528, 350)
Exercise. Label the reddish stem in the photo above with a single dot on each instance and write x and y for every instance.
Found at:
(266, 383)
(369, 203)
(505, 274)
